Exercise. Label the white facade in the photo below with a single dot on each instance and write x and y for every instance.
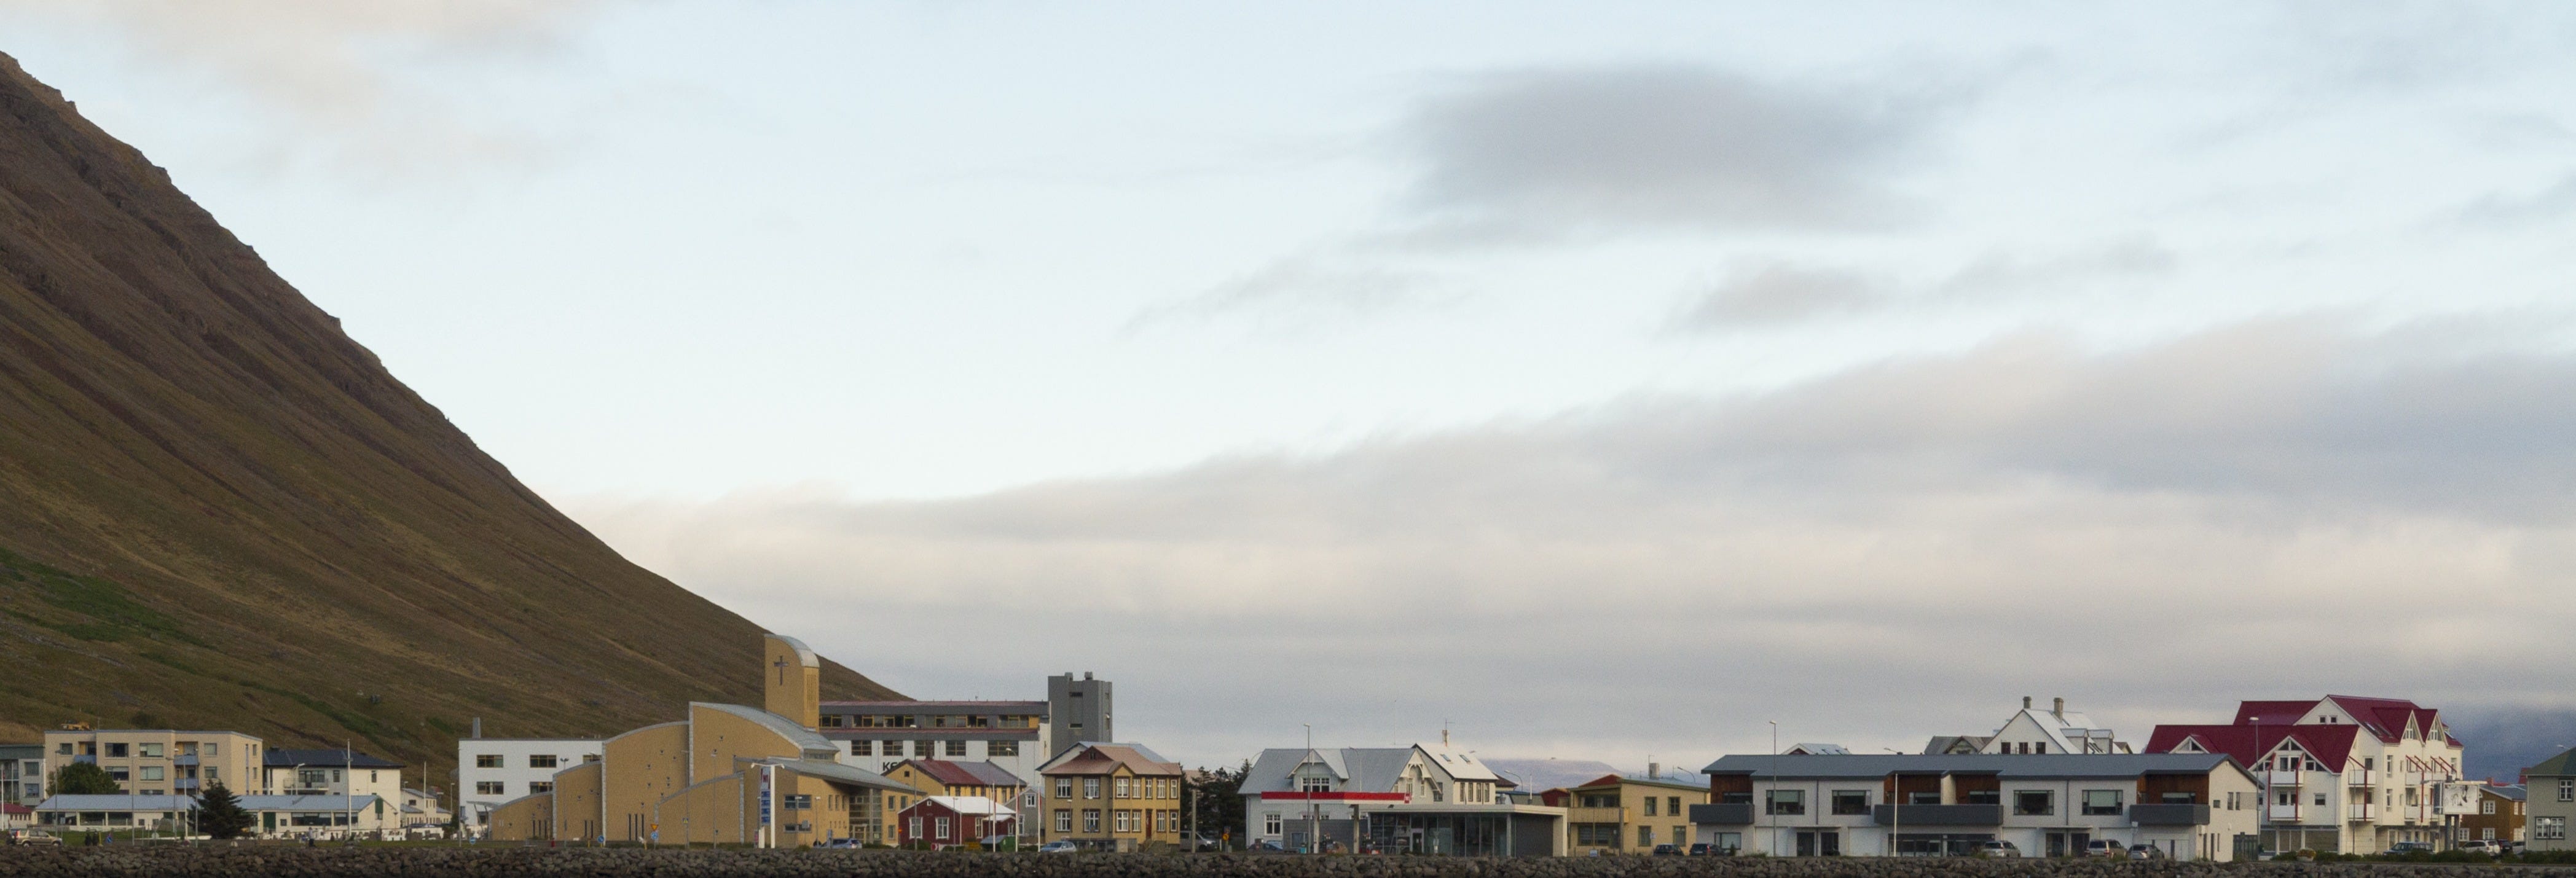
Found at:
(2034, 731)
(493, 771)
(2349, 775)
(1833, 805)
(1291, 787)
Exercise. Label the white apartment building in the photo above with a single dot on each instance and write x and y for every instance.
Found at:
(297, 775)
(2035, 732)
(2341, 773)
(2187, 805)
(494, 771)
(1427, 798)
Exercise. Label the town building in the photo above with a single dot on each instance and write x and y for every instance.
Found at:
(1614, 814)
(22, 775)
(2342, 773)
(725, 774)
(115, 812)
(939, 777)
(321, 815)
(2549, 802)
(332, 772)
(2188, 806)
(1429, 799)
(2496, 816)
(160, 762)
(941, 822)
(2031, 731)
(490, 771)
(1111, 797)
(421, 809)
(1813, 749)
(17, 816)
(1078, 711)
(878, 735)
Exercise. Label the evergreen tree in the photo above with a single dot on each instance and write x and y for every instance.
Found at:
(83, 779)
(220, 815)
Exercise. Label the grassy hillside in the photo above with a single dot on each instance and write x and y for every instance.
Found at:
(218, 511)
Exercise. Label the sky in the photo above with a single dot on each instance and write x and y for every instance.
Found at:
(1598, 382)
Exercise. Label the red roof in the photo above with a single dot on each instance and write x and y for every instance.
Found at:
(2250, 745)
(2384, 717)
(946, 773)
(14, 808)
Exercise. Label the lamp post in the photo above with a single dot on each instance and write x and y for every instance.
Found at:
(1895, 807)
(1771, 836)
(1314, 816)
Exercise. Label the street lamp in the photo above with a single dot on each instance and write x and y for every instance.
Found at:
(1771, 836)
(1895, 807)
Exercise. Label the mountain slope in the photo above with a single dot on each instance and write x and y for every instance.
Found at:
(218, 511)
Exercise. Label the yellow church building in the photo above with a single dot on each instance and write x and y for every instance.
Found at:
(727, 774)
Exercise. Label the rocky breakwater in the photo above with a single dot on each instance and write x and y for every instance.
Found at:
(292, 862)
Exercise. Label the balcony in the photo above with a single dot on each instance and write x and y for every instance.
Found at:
(1735, 814)
(184, 785)
(2279, 778)
(1938, 815)
(1596, 815)
(2281, 813)
(2169, 815)
(184, 759)
(2360, 778)
(2361, 811)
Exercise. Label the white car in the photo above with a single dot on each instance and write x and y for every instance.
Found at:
(1057, 847)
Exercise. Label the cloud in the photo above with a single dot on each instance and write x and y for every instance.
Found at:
(1777, 292)
(2002, 273)
(1302, 289)
(1559, 151)
(1872, 558)
(335, 70)
(2551, 203)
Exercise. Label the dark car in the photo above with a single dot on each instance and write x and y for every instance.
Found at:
(1701, 849)
(1264, 847)
(1668, 850)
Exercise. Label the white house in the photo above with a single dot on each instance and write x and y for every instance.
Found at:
(493, 771)
(1433, 799)
(2188, 806)
(2341, 773)
(2031, 731)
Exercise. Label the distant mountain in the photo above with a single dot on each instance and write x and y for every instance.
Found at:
(219, 512)
(1537, 775)
(2499, 744)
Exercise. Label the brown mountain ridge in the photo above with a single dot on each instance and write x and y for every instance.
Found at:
(219, 512)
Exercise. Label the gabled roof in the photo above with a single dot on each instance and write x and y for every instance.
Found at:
(1819, 749)
(1460, 764)
(1090, 758)
(2386, 718)
(2508, 792)
(1622, 780)
(834, 771)
(1544, 774)
(945, 772)
(327, 758)
(975, 805)
(2330, 745)
(1957, 744)
(2561, 765)
(812, 743)
(994, 775)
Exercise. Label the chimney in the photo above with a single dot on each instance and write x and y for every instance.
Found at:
(1086, 675)
(1655, 770)
(2060, 710)
(2025, 702)
(478, 728)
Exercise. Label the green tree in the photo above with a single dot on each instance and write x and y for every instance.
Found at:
(1215, 799)
(220, 815)
(83, 779)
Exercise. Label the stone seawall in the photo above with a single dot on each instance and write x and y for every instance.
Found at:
(290, 862)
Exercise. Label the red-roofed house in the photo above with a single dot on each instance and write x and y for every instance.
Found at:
(2341, 773)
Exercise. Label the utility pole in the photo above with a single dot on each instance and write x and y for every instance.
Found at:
(1896, 808)
(1771, 836)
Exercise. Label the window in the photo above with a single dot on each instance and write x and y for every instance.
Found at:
(2035, 803)
(151, 751)
(117, 774)
(1064, 788)
(998, 749)
(1091, 820)
(2288, 798)
(1645, 837)
(1314, 784)
(943, 824)
(540, 786)
(488, 788)
(1788, 802)
(2486, 807)
(1596, 834)
(1673, 806)
(151, 772)
(2321, 800)
(2567, 789)
(116, 751)
(1650, 806)
(1730, 842)
(2040, 748)
(2549, 829)
(1125, 789)
(1270, 823)
(1981, 797)
(2101, 802)
(915, 827)
(589, 757)
(1064, 820)
(65, 749)
(1851, 802)
(541, 761)
(487, 760)
(2182, 798)
(956, 749)
(1091, 788)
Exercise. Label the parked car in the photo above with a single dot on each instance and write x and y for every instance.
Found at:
(1265, 846)
(1057, 847)
(1668, 850)
(2410, 847)
(1999, 850)
(2481, 846)
(33, 837)
(2102, 847)
(1701, 849)
(2146, 852)
(841, 844)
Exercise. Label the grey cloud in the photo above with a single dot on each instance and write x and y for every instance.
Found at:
(2554, 202)
(1870, 558)
(2005, 273)
(1572, 150)
(1777, 292)
(1302, 289)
